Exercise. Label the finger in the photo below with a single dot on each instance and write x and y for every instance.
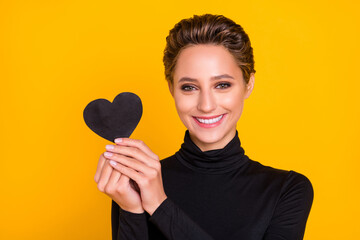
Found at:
(129, 172)
(129, 162)
(124, 180)
(132, 152)
(105, 175)
(112, 183)
(129, 151)
(138, 144)
(115, 177)
(99, 167)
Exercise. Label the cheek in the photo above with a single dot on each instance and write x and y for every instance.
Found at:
(233, 102)
(183, 103)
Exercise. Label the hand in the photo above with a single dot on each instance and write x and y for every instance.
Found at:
(117, 186)
(134, 159)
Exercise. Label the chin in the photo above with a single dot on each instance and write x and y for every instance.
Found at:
(208, 137)
(212, 138)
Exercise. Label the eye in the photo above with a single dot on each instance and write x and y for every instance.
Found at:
(187, 88)
(223, 85)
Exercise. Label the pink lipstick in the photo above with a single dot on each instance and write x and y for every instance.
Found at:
(209, 122)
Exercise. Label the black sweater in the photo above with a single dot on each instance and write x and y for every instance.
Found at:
(221, 194)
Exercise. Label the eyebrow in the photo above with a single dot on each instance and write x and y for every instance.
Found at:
(188, 79)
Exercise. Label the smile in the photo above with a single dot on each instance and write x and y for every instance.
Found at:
(209, 120)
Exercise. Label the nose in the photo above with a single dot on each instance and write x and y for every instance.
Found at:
(206, 101)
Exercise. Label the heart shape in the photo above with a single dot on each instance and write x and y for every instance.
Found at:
(114, 120)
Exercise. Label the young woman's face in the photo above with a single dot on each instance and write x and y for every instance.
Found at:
(209, 93)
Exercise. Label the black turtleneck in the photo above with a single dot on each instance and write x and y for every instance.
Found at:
(221, 194)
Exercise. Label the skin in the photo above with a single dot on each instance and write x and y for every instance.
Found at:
(207, 82)
(215, 86)
(134, 160)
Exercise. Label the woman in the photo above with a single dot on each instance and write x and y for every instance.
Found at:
(209, 189)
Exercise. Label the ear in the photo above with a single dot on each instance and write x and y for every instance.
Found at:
(171, 88)
(250, 85)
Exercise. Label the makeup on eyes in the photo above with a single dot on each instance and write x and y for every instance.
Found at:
(190, 87)
(224, 83)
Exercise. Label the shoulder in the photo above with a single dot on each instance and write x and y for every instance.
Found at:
(294, 188)
(293, 206)
(291, 210)
(298, 186)
(288, 182)
(275, 173)
(298, 178)
(294, 192)
(268, 174)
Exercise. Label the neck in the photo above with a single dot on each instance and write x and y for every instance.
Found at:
(217, 161)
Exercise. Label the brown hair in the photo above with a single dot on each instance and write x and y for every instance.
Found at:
(209, 29)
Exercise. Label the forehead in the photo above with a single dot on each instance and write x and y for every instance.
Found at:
(206, 61)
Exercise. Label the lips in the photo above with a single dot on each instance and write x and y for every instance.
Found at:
(210, 117)
(209, 121)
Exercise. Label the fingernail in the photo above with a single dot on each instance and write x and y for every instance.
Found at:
(109, 147)
(107, 154)
(113, 163)
(118, 140)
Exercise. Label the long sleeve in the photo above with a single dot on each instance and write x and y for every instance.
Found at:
(126, 225)
(175, 224)
(222, 194)
(289, 219)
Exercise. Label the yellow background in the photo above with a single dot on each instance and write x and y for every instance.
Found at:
(57, 56)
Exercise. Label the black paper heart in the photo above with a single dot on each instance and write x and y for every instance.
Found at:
(114, 120)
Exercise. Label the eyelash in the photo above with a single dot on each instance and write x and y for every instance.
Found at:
(186, 87)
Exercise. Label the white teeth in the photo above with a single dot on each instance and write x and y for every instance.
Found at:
(210, 121)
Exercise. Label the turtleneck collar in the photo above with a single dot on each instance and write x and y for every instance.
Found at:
(216, 161)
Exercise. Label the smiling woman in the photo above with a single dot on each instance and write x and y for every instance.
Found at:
(209, 189)
(209, 92)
